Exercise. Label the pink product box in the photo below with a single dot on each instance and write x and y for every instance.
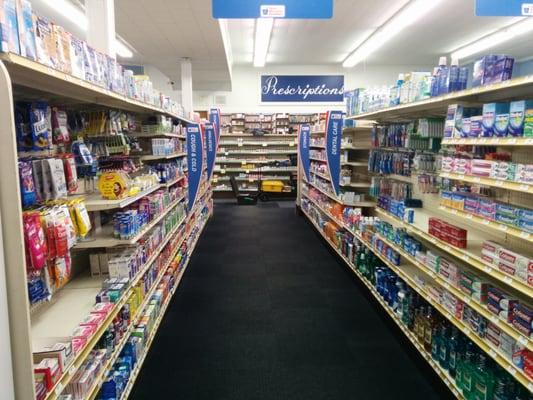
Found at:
(102, 308)
(93, 320)
(462, 166)
(483, 164)
(83, 331)
(78, 343)
(481, 172)
(447, 164)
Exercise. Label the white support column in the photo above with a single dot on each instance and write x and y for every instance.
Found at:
(101, 25)
(186, 85)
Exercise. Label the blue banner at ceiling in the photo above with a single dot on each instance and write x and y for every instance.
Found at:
(504, 8)
(302, 88)
(214, 118)
(303, 149)
(334, 124)
(210, 148)
(195, 161)
(294, 9)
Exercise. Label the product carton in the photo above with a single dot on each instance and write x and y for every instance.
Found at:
(26, 30)
(517, 116)
(490, 113)
(9, 35)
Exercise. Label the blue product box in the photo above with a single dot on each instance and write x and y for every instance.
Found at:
(26, 30)
(506, 219)
(517, 111)
(525, 225)
(525, 215)
(504, 209)
(501, 123)
(9, 34)
(454, 121)
(500, 69)
(490, 112)
(476, 126)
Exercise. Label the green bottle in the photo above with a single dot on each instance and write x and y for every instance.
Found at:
(467, 374)
(483, 380)
(455, 351)
(444, 350)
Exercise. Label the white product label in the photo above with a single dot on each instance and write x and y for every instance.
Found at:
(59, 389)
(524, 188)
(272, 11)
(527, 9)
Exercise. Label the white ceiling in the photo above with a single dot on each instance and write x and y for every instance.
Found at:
(163, 31)
(451, 24)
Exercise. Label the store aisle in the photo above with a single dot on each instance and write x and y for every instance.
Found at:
(265, 311)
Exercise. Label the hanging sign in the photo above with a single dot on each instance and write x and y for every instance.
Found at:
(303, 149)
(214, 118)
(302, 88)
(195, 160)
(294, 9)
(504, 8)
(334, 121)
(210, 147)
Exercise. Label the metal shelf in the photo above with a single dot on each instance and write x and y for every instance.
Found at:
(516, 186)
(489, 141)
(162, 157)
(94, 202)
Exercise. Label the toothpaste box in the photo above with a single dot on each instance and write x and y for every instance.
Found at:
(503, 170)
(504, 209)
(26, 30)
(454, 120)
(517, 115)
(525, 215)
(521, 262)
(523, 312)
(501, 121)
(490, 111)
(524, 173)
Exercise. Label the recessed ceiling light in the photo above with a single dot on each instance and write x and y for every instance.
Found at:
(406, 16)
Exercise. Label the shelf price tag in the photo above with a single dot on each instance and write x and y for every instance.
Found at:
(511, 141)
(264, 145)
(468, 216)
(511, 369)
(498, 183)
(529, 141)
(524, 188)
(492, 353)
(503, 227)
(466, 299)
(243, 162)
(466, 330)
(72, 370)
(476, 179)
(487, 269)
(524, 235)
(466, 257)
(461, 177)
(508, 280)
(494, 319)
(58, 389)
(222, 171)
(486, 222)
(522, 340)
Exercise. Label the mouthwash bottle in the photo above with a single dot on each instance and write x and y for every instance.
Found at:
(419, 325)
(455, 349)
(429, 322)
(444, 349)
(467, 366)
(484, 380)
(435, 342)
(503, 389)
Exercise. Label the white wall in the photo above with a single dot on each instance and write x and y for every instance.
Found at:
(161, 82)
(245, 96)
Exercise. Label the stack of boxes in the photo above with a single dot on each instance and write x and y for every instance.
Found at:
(508, 261)
(447, 232)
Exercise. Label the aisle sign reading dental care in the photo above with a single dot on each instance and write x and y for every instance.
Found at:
(293, 9)
(195, 161)
(504, 8)
(211, 145)
(302, 88)
(334, 122)
(303, 149)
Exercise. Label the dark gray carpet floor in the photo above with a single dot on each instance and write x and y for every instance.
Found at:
(266, 311)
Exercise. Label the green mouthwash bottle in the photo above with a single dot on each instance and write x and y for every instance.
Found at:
(444, 351)
(455, 350)
(435, 342)
(467, 373)
(483, 380)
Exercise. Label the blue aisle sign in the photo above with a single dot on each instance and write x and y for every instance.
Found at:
(303, 149)
(302, 88)
(504, 8)
(214, 118)
(195, 160)
(210, 147)
(334, 122)
(294, 9)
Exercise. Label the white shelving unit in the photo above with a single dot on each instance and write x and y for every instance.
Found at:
(31, 327)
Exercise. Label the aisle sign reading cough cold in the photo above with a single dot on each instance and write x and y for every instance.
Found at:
(302, 88)
(195, 160)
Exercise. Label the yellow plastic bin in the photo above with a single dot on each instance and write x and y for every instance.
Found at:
(272, 186)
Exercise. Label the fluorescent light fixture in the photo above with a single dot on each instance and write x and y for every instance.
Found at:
(494, 39)
(122, 50)
(406, 16)
(70, 11)
(263, 30)
(77, 15)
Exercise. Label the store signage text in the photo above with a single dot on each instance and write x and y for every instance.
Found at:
(302, 88)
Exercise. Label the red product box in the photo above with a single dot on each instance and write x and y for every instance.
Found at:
(49, 368)
(522, 327)
(489, 259)
(455, 231)
(460, 243)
